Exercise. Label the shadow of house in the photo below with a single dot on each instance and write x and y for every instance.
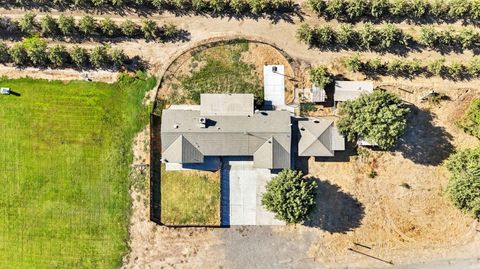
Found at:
(335, 211)
(423, 142)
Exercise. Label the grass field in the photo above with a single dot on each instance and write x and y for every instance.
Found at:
(190, 197)
(218, 69)
(65, 151)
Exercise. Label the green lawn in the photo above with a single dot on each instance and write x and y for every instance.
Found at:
(65, 151)
(190, 197)
(218, 69)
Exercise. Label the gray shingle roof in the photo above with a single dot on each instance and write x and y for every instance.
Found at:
(319, 138)
(228, 136)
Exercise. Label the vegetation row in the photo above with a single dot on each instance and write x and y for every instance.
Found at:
(388, 37)
(412, 68)
(87, 26)
(35, 52)
(413, 10)
(255, 7)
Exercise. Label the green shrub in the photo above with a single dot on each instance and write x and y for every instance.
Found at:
(58, 55)
(79, 56)
(464, 184)
(27, 22)
(87, 25)
(320, 76)
(36, 50)
(18, 54)
(290, 196)
(353, 63)
(66, 24)
(4, 55)
(48, 25)
(379, 117)
(470, 122)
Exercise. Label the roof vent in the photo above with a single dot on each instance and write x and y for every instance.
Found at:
(175, 126)
(316, 121)
(274, 69)
(202, 122)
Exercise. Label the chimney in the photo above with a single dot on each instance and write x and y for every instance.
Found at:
(202, 122)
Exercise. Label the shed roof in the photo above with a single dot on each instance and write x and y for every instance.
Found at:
(226, 104)
(347, 90)
(319, 137)
(274, 85)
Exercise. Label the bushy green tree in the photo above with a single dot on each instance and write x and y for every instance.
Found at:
(79, 56)
(4, 55)
(290, 196)
(169, 30)
(149, 29)
(305, 34)
(436, 67)
(355, 9)
(320, 76)
(468, 37)
(474, 11)
(353, 63)
(129, 28)
(439, 8)
(66, 24)
(455, 70)
(369, 36)
(48, 25)
(87, 25)
(27, 23)
(474, 67)
(36, 49)
(108, 27)
(346, 35)
(18, 54)
(119, 58)
(317, 5)
(239, 6)
(58, 55)
(418, 8)
(99, 57)
(335, 9)
(458, 8)
(463, 187)
(374, 65)
(378, 117)
(470, 122)
(428, 36)
(324, 36)
(400, 8)
(379, 8)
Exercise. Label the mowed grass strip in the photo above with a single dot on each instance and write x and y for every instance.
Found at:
(190, 197)
(65, 155)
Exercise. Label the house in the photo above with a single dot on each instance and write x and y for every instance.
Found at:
(319, 138)
(226, 125)
(348, 90)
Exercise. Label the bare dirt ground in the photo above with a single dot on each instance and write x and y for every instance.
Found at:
(412, 227)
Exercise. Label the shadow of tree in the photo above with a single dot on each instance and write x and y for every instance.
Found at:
(335, 211)
(423, 142)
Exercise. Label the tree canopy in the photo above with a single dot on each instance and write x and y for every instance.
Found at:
(378, 117)
(290, 196)
(320, 76)
(470, 122)
(464, 184)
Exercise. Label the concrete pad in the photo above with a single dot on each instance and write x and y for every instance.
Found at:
(245, 187)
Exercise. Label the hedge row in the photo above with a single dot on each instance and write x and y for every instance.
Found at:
(202, 6)
(354, 10)
(87, 26)
(35, 52)
(413, 68)
(387, 37)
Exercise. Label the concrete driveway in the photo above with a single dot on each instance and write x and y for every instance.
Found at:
(242, 187)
